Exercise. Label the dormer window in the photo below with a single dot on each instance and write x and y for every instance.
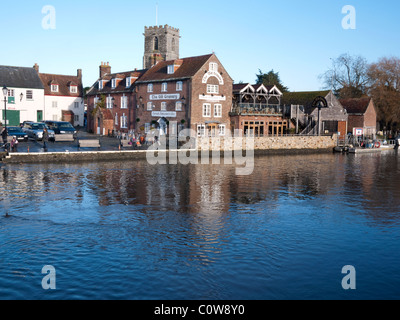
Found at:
(101, 85)
(73, 89)
(54, 88)
(171, 69)
(128, 82)
(113, 83)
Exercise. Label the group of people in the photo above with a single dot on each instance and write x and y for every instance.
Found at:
(13, 143)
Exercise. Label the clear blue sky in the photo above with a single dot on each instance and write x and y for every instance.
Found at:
(292, 37)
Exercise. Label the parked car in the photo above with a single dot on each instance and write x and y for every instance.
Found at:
(61, 127)
(17, 132)
(34, 130)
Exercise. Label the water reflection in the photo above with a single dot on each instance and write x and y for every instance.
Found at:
(175, 228)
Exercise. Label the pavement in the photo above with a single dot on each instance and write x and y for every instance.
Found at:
(106, 144)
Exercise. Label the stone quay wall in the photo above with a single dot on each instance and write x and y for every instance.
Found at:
(261, 146)
(279, 144)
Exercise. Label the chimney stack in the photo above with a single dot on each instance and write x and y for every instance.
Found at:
(36, 67)
(104, 69)
(79, 73)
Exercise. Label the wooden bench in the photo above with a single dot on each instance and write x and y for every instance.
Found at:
(93, 143)
(125, 144)
(64, 137)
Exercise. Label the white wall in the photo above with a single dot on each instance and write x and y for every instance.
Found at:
(64, 103)
(28, 108)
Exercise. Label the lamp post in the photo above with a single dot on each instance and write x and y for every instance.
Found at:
(5, 91)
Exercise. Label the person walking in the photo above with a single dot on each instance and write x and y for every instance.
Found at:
(45, 138)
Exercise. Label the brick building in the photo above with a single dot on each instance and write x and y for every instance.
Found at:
(114, 95)
(257, 110)
(193, 93)
(362, 115)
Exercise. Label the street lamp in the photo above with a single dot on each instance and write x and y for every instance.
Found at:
(5, 91)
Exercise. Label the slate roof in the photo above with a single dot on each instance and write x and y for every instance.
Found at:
(121, 84)
(356, 106)
(63, 82)
(304, 98)
(19, 77)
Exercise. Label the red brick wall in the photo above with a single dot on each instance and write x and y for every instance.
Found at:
(370, 115)
(145, 116)
(355, 121)
(199, 88)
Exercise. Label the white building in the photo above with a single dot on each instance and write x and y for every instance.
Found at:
(63, 97)
(25, 97)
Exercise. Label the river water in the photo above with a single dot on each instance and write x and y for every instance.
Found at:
(131, 230)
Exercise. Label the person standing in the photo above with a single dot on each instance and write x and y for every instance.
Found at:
(4, 134)
(14, 144)
(45, 138)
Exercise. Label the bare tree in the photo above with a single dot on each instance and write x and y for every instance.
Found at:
(384, 88)
(348, 76)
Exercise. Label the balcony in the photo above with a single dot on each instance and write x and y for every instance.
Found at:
(248, 109)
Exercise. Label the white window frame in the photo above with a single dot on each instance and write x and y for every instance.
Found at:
(213, 66)
(11, 93)
(201, 130)
(149, 106)
(213, 88)
(124, 102)
(113, 83)
(207, 110)
(179, 86)
(163, 106)
(101, 85)
(150, 87)
(76, 117)
(54, 88)
(73, 89)
(178, 106)
(164, 87)
(218, 110)
(128, 82)
(109, 104)
(76, 105)
(116, 119)
(171, 69)
(124, 121)
(222, 130)
(54, 104)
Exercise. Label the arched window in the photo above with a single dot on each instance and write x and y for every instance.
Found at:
(156, 43)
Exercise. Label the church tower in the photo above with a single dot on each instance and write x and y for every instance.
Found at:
(161, 43)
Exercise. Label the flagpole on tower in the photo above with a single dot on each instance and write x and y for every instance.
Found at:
(156, 14)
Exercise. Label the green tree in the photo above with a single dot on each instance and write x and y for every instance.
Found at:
(271, 78)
